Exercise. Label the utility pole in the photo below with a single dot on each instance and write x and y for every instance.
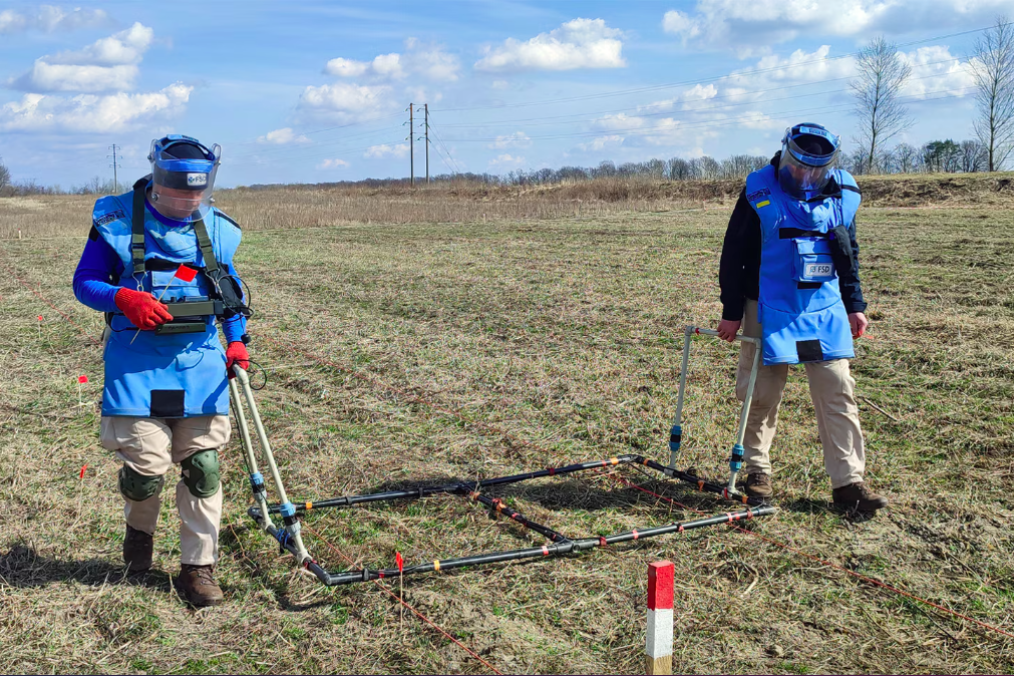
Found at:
(116, 182)
(426, 108)
(411, 146)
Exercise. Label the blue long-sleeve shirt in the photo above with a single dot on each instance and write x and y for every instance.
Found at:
(97, 271)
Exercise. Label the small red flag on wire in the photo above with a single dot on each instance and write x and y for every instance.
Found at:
(185, 273)
(83, 468)
(82, 379)
(40, 318)
(400, 561)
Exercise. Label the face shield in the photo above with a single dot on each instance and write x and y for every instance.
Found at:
(807, 159)
(183, 176)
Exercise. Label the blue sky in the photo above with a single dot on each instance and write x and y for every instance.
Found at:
(317, 91)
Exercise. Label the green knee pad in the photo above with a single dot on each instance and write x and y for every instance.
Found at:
(200, 473)
(139, 487)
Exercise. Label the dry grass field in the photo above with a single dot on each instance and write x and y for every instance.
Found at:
(437, 335)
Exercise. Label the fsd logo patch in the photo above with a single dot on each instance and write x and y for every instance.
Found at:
(754, 196)
(197, 179)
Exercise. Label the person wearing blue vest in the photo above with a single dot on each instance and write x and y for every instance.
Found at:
(789, 274)
(165, 399)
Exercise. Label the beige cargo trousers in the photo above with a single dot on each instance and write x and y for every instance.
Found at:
(151, 446)
(832, 390)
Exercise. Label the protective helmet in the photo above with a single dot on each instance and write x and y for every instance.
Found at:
(183, 176)
(808, 154)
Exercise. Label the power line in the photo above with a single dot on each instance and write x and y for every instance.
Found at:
(951, 93)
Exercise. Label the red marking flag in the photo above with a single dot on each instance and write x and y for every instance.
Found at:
(83, 468)
(40, 318)
(400, 561)
(82, 379)
(185, 273)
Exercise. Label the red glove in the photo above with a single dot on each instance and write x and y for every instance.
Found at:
(142, 309)
(236, 354)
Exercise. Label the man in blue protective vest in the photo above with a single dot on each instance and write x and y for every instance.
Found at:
(789, 274)
(165, 399)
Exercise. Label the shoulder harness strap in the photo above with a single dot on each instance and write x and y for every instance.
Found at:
(210, 262)
(137, 226)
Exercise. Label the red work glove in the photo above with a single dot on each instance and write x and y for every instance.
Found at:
(142, 309)
(236, 354)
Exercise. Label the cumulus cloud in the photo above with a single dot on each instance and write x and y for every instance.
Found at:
(506, 160)
(383, 151)
(518, 139)
(108, 64)
(687, 98)
(602, 142)
(347, 102)
(333, 164)
(281, 137)
(50, 18)
(91, 113)
(580, 43)
(424, 60)
(934, 71)
(749, 27)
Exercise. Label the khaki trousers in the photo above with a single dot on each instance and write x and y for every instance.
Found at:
(832, 390)
(150, 446)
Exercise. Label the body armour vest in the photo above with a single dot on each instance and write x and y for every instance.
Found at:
(163, 375)
(800, 305)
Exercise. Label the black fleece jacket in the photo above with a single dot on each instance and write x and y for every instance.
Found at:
(739, 268)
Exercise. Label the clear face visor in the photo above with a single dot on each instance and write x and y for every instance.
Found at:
(183, 189)
(802, 180)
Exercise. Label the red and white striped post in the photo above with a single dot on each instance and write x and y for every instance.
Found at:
(658, 646)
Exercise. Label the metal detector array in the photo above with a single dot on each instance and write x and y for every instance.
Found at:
(288, 532)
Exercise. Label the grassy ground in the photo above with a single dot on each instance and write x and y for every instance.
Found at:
(563, 334)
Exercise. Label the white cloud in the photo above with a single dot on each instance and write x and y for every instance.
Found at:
(346, 102)
(382, 151)
(602, 142)
(108, 64)
(580, 43)
(749, 27)
(46, 77)
(49, 18)
(518, 139)
(934, 71)
(91, 113)
(620, 122)
(283, 136)
(427, 61)
(346, 67)
(499, 84)
(126, 47)
(696, 93)
(333, 164)
(506, 160)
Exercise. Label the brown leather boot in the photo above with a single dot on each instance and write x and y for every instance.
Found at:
(137, 547)
(858, 498)
(758, 485)
(198, 584)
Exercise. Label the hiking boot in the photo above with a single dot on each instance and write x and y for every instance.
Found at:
(198, 584)
(858, 498)
(758, 485)
(137, 546)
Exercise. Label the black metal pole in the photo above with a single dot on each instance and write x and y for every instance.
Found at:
(498, 506)
(366, 574)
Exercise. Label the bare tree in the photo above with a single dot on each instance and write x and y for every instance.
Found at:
(877, 91)
(973, 156)
(992, 67)
(5, 177)
(906, 158)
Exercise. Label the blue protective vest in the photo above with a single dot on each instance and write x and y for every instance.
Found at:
(163, 375)
(800, 305)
